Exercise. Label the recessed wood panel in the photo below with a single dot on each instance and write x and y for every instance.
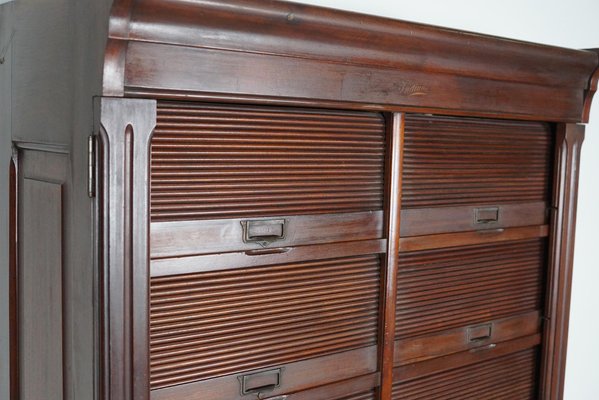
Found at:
(449, 288)
(509, 377)
(219, 323)
(211, 162)
(452, 162)
(40, 290)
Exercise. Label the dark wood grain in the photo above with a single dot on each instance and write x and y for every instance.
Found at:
(590, 93)
(435, 220)
(336, 367)
(358, 388)
(451, 341)
(441, 289)
(226, 322)
(125, 128)
(567, 161)
(185, 238)
(278, 110)
(262, 257)
(421, 369)
(508, 377)
(392, 223)
(452, 162)
(444, 240)
(215, 161)
(332, 55)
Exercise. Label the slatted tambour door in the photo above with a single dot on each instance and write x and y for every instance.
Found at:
(210, 324)
(511, 377)
(369, 395)
(211, 161)
(451, 162)
(442, 289)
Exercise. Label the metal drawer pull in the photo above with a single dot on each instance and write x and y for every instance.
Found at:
(260, 382)
(283, 397)
(479, 332)
(264, 231)
(486, 215)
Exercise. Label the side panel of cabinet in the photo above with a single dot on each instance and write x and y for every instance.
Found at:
(39, 275)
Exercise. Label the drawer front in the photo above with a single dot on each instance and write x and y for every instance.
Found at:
(213, 324)
(478, 217)
(509, 377)
(477, 337)
(443, 289)
(220, 162)
(456, 161)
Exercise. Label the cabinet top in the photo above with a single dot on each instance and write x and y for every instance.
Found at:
(265, 51)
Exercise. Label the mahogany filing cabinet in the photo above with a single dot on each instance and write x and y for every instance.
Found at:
(300, 203)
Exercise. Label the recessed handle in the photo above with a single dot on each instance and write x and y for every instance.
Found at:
(479, 333)
(263, 231)
(486, 215)
(260, 382)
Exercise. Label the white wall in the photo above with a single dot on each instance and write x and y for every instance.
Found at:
(568, 23)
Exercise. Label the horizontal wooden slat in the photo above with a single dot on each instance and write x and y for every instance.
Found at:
(443, 289)
(264, 257)
(425, 347)
(205, 74)
(512, 376)
(219, 323)
(216, 161)
(445, 240)
(433, 366)
(298, 379)
(457, 161)
(358, 388)
(435, 220)
(184, 238)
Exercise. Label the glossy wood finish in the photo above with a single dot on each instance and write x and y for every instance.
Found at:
(369, 61)
(442, 289)
(393, 223)
(437, 220)
(435, 245)
(444, 240)
(262, 257)
(474, 337)
(185, 238)
(567, 160)
(226, 322)
(509, 377)
(451, 162)
(359, 388)
(339, 366)
(214, 162)
(125, 128)
(412, 371)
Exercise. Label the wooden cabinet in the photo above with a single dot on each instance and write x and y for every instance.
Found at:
(300, 203)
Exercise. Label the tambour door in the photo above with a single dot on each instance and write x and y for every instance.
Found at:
(266, 243)
(473, 258)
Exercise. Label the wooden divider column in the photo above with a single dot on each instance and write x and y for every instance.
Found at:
(126, 126)
(569, 138)
(392, 219)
